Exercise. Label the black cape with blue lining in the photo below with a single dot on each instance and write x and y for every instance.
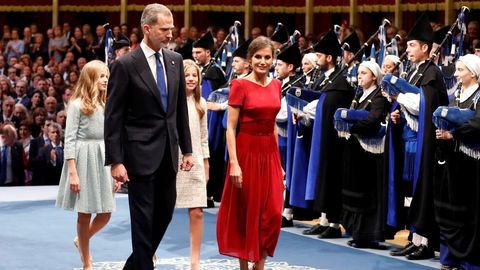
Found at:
(326, 161)
(457, 189)
(364, 188)
(421, 213)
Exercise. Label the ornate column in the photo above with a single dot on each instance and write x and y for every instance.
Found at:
(308, 17)
(398, 14)
(353, 10)
(187, 14)
(248, 21)
(54, 13)
(449, 12)
(123, 11)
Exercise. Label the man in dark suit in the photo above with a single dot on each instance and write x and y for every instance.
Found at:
(50, 155)
(6, 114)
(11, 158)
(38, 173)
(146, 120)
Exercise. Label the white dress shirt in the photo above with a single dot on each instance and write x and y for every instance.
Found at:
(152, 62)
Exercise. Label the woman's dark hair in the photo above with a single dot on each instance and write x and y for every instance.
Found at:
(26, 123)
(41, 97)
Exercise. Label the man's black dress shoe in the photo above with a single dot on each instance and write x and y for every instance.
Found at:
(404, 251)
(286, 223)
(315, 230)
(448, 267)
(366, 244)
(422, 253)
(330, 233)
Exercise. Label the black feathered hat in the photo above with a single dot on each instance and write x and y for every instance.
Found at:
(242, 50)
(120, 42)
(328, 45)
(205, 42)
(422, 30)
(440, 34)
(291, 55)
(280, 35)
(353, 43)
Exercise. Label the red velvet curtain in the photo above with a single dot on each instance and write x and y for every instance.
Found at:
(332, 3)
(26, 3)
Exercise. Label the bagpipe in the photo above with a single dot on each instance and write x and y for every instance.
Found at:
(287, 41)
(229, 44)
(393, 86)
(344, 119)
(314, 71)
(298, 98)
(219, 96)
(109, 53)
(360, 51)
(460, 23)
(450, 118)
(291, 40)
(393, 44)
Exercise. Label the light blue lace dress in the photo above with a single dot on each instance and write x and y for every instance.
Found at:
(84, 142)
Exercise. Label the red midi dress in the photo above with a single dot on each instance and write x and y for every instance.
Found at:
(249, 218)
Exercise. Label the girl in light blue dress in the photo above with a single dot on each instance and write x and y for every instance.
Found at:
(86, 185)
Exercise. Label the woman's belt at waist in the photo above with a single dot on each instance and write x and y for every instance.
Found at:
(258, 128)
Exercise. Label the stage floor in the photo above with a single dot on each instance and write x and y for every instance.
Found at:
(36, 235)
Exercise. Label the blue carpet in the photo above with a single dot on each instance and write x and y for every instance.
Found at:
(36, 235)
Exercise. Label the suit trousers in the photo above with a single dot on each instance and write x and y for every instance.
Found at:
(152, 201)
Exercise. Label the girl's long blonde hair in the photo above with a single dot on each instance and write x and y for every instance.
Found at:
(197, 93)
(86, 88)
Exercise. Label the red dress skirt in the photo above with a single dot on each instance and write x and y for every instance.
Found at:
(249, 219)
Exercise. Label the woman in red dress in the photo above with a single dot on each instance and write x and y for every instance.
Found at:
(250, 214)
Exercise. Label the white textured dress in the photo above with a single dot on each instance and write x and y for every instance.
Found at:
(85, 144)
(191, 185)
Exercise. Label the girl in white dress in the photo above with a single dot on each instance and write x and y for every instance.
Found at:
(86, 185)
(192, 185)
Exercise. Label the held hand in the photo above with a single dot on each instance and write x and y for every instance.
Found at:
(212, 106)
(119, 173)
(384, 94)
(53, 155)
(187, 162)
(443, 134)
(117, 185)
(236, 175)
(74, 183)
(395, 116)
